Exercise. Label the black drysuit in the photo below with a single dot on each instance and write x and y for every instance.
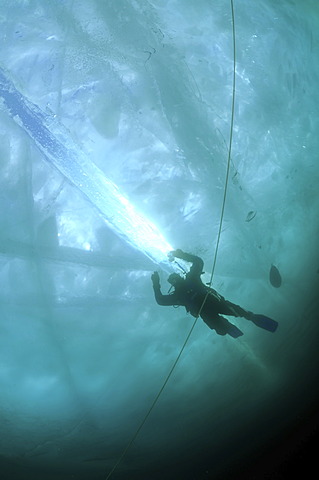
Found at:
(191, 293)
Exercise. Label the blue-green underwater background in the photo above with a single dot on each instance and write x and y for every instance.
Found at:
(143, 89)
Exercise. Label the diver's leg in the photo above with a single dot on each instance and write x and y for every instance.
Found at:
(229, 308)
(222, 326)
(212, 322)
(260, 320)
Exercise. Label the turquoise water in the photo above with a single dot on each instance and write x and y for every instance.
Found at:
(141, 92)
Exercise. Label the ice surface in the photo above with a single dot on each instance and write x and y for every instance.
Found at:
(139, 93)
(52, 140)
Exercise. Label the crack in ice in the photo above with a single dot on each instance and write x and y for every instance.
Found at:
(54, 141)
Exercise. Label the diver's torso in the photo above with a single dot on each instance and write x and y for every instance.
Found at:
(192, 296)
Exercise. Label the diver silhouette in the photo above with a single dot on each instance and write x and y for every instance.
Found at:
(190, 292)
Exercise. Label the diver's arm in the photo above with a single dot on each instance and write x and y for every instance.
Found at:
(164, 300)
(198, 264)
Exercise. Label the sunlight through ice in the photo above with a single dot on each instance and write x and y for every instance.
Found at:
(53, 140)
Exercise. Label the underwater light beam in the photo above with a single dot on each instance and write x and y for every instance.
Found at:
(54, 141)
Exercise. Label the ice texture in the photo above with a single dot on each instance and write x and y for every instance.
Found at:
(52, 140)
(114, 108)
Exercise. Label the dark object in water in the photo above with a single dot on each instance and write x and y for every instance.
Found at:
(265, 322)
(234, 332)
(275, 277)
(250, 216)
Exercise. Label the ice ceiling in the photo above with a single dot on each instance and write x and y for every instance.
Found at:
(116, 108)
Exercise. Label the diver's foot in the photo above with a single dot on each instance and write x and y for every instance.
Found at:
(249, 315)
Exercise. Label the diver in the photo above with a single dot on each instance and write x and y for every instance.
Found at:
(201, 300)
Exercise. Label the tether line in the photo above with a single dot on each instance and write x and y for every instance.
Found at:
(230, 142)
(214, 263)
(153, 404)
(228, 163)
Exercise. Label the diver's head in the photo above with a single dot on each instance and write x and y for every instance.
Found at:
(174, 279)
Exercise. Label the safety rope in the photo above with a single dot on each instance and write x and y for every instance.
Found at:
(230, 141)
(215, 257)
(153, 404)
(228, 160)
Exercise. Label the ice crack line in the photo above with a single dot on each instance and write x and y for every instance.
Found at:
(60, 151)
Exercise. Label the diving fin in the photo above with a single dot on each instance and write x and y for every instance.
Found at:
(233, 331)
(264, 322)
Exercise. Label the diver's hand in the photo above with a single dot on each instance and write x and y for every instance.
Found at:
(155, 279)
(177, 253)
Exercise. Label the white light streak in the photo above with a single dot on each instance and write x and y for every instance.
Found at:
(53, 140)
